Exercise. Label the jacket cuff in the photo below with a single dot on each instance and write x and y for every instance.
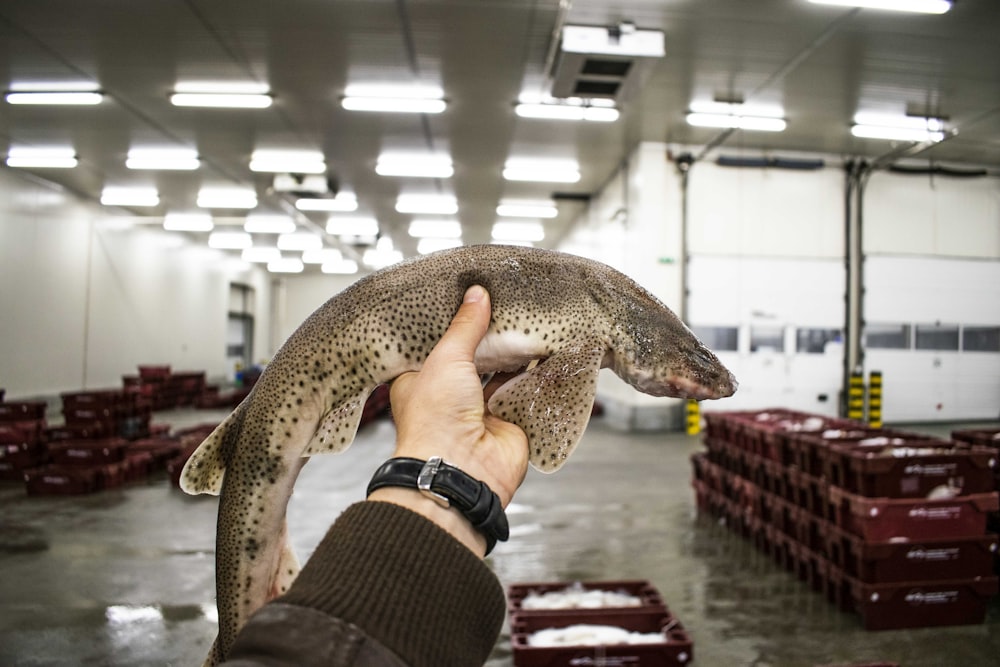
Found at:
(407, 583)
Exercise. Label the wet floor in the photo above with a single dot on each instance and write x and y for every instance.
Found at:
(126, 577)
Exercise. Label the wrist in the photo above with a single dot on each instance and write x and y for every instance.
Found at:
(449, 519)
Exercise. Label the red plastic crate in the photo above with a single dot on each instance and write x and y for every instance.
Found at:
(675, 649)
(87, 431)
(912, 469)
(985, 437)
(919, 560)
(29, 430)
(23, 455)
(61, 480)
(922, 604)
(88, 452)
(809, 450)
(882, 519)
(649, 598)
(22, 410)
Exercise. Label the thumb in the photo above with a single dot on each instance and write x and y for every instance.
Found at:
(467, 327)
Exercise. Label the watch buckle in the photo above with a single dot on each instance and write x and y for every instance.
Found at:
(426, 477)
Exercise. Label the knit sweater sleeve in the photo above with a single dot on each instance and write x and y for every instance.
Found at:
(403, 582)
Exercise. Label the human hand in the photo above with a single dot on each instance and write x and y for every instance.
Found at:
(441, 411)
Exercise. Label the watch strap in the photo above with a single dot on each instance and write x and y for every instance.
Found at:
(450, 487)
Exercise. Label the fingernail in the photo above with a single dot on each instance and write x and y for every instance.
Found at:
(474, 294)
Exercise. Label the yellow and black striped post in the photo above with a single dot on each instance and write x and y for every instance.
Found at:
(856, 397)
(875, 399)
(693, 417)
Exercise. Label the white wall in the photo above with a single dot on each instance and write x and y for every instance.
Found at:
(85, 297)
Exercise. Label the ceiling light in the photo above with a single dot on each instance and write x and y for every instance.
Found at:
(163, 158)
(188, 222)
(240, 95)
(322, 256)
(427, 245)
(420, 166)
(918, 6)
(286, 265)
(736, 121)
(440, 229)
(230, 240)
(379, 259)
(226, 198)
(123, 196)
(343, 267)
(430, 204)
(264, 223)
(555, 111)
(43, 158)
(290, 161)
(54, 92)
(299, 241)
(352, 226)
(404, 98)
(518, 231)
(545, 171)
(342, 202)
(897, 128)
(527, 209)
(258, 254)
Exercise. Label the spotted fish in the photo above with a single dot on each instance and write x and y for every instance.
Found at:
(571, 315)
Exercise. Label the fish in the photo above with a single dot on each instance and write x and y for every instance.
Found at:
(560, 316)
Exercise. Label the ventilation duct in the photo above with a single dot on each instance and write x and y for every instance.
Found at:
(602, 62)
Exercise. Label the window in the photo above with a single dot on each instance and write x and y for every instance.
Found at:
(718, 339)
(936, 337)
(767, 339)
(981, 339)
(887, 336)
(814, 341)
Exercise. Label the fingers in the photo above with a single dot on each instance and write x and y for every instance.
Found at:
(467, 327)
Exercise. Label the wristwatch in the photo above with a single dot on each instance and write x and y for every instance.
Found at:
(448, 487)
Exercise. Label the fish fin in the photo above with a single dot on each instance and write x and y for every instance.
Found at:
(287, 569)
(338, 427)
(205, 469)
(552, 402)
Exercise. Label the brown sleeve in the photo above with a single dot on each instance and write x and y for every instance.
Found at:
(405, 583)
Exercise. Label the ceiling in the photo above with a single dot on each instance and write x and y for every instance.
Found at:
(820, 64)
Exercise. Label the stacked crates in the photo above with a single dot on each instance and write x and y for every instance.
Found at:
(22, 437)
(164, 389)
(666, 644)
(887, 523)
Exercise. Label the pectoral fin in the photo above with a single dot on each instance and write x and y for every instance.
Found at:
(205, 469)
(552, 402)
(337, 429)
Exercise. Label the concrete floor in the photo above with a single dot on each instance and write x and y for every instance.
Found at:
(126, 577)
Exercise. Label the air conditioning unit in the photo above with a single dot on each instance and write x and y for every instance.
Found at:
(604, 62)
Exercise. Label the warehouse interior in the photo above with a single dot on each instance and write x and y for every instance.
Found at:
(813, 187)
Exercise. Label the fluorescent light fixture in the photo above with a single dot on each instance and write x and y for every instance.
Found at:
(440, 229)
(56, 98)
(403, 98)
(179, 159)
(322, 256)
(211, 197)
(555, 111)
(344, 202)
(124, 196)
(188, 222)
(288, 161)
(352, 226)
(261, 255)
(429, 204)
(545, 171)
(518, 231)
(43, 158)
(343, 267)
(286, 265)
(420, 166)
(736, 121)
(230, 240)
(428, 245)
(299, 241)
(527, 209)
(869, 125)
(228, 94)
(54, 86)
(265, 223)
(917, 6)
(379, 259)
